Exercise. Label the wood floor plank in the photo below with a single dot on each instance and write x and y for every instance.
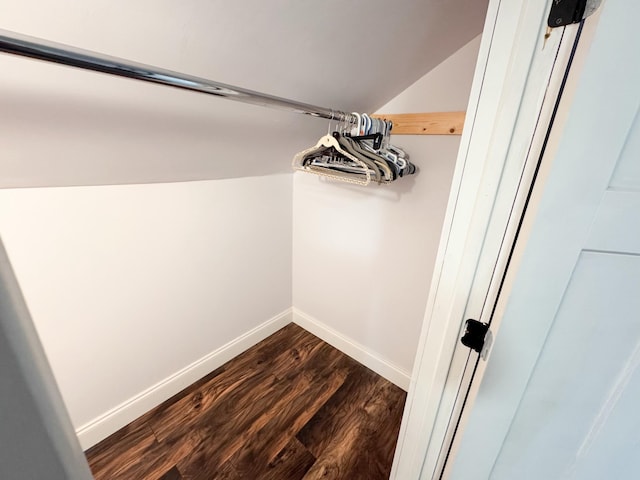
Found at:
(172, 474)
(285, 338)
(291, 463)
(171, 452)
(253, 459)
(382, 429)
(131, 452)
(117, 445)
(244, 373)
(256, 395)
(250, 421)
(291, 407)
(363, 449)
(334, 415)
(227, 472)
(134, 452)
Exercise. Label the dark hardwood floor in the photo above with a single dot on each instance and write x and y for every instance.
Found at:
(292, 407)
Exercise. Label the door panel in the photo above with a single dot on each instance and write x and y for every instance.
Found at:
(581, 394)
(616, 227)
(627, 172)
(559, 395)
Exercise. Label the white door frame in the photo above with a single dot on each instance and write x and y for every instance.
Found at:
(37, 439)
(568, 158)
(520, 71)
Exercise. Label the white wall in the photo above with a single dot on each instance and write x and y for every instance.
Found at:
(130, 285)
(363, 258)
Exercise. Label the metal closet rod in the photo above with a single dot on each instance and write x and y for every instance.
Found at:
(32, 47)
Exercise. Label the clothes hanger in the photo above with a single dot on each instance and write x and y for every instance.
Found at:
(358, 151)
(394, 155)
(377, 168)
(380, 162)
(366, 124)
(373, 126)
(355, 130)
(350, 146)
(357, 171)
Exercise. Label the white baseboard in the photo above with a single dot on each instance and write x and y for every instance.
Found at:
(352, 348)
(119, 416)
(116, 418)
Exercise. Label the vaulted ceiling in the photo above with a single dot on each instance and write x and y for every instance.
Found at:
(62, 126)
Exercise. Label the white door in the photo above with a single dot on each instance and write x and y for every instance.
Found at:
(560, 393)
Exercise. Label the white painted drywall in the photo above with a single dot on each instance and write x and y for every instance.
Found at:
(127, 285)
(62, 126)
(363, 258)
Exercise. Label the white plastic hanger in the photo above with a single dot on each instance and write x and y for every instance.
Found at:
(358, 172)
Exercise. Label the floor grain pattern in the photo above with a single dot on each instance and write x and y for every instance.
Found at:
(290, 408)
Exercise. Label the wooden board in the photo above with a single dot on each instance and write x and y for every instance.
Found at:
(437, 123)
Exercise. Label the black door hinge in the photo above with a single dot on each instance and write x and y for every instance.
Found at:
(477, 336)
(566, 12)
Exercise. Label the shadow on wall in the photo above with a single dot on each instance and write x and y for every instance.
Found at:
(62, 126)
(102, 131)
(363, 257)
(392, 192)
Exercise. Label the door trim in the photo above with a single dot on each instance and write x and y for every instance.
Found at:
(497, 290)
(47, 442)
(577, 119)
(517, 80)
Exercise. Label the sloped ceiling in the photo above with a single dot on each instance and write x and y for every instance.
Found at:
(60, 126)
